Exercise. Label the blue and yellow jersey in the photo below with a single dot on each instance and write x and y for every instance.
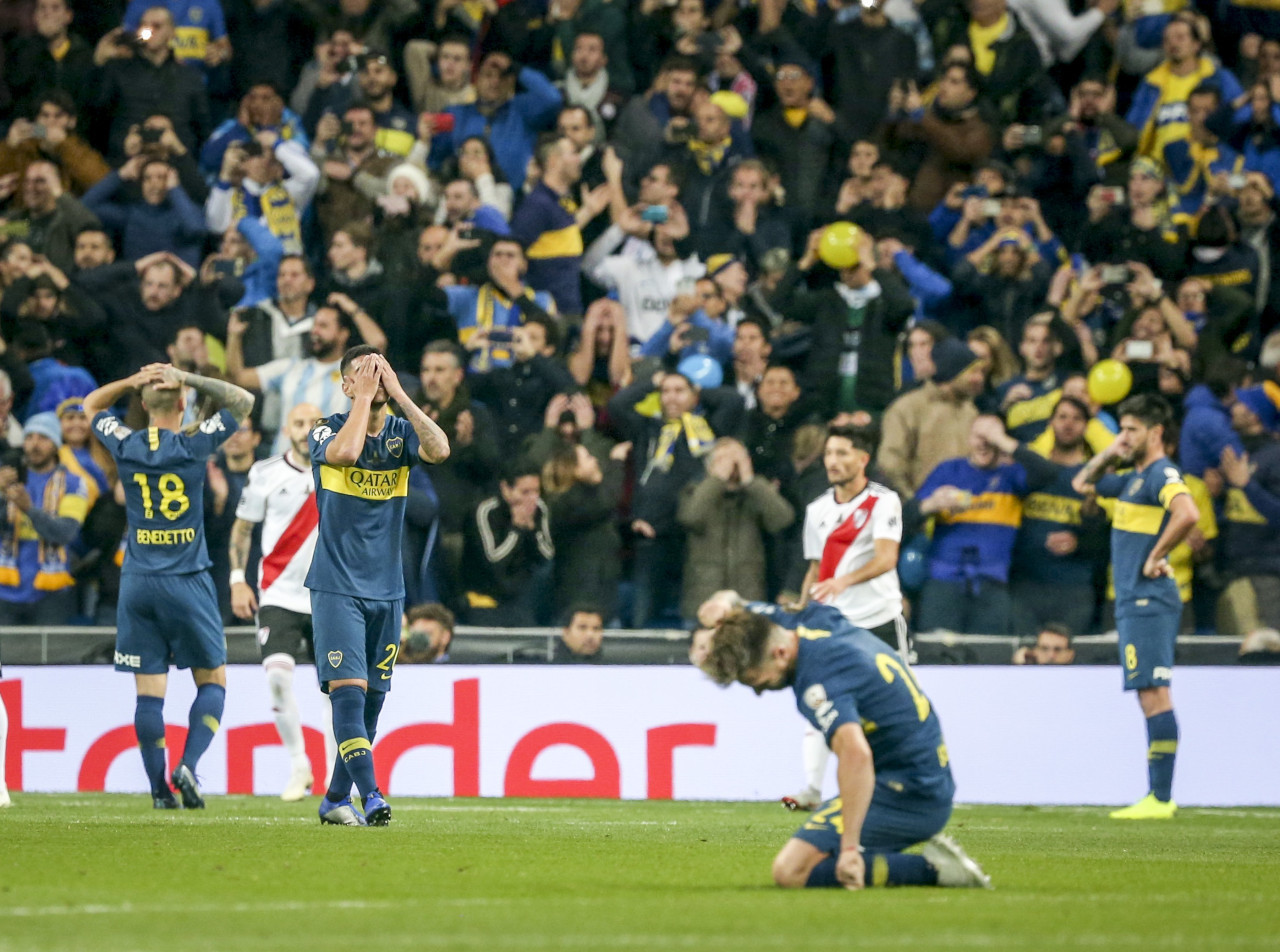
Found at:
(978, 541)
(546, 225)
(1028, 418)
(30, 568)
(196, 23)
(1159, 110)
(362, 511)
(487, 308)
(275, 209)
(845, 675)
(163, 473)
(1138, 516)
(1191, 166)
(1055, 508)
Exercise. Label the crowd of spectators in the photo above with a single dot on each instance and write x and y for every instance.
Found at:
(589, 232)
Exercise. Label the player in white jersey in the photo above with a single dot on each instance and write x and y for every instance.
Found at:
(280, 495)
(852, 533)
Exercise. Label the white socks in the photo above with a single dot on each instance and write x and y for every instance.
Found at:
(814, 752)
(284, 707)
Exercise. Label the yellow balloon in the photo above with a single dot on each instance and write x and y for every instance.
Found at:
(838, 246)
(1109, 381)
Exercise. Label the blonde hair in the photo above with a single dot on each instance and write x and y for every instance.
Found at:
(1004, 366)
(560, 471)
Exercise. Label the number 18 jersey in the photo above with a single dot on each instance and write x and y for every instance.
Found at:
(163, 473)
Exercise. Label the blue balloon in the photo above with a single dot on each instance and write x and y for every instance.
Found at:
(913, 564)
(703, 370)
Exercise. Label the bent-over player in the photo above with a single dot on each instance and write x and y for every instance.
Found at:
(892, 766)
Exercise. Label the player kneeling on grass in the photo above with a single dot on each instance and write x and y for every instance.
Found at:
(894, 779)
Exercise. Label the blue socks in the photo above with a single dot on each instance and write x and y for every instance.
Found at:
(202, 723)
(1162, 750)
(882, 869)
(148, 724)
(352, 713)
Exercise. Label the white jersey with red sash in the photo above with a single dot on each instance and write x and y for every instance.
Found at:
(282, 497)
(841, 538)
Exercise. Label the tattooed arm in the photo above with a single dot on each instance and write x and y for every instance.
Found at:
(434, 446)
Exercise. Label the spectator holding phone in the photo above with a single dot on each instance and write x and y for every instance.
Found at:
(51, 134)
(251, 184)
(1135, 224)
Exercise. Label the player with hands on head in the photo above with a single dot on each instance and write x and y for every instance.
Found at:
(360, 461)
(168, 607)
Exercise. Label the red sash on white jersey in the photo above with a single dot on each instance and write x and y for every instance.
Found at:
(844, 536)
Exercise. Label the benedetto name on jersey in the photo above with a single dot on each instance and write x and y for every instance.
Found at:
(365, 483)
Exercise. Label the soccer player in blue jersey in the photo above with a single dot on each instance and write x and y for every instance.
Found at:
(360, 460)
(1154, 512)
(168, 608)
(892, 766)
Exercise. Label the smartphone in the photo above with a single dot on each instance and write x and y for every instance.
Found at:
(345, 129)
(38, 131)
(1032, 135)
(1139, 349)
(228, 267)
(149, 135)
(441, 121)
(500, 335)
(1113, 195)
(698, 335)
(1115, 274)
(1236, 182)
(991, 207)
(657, 214)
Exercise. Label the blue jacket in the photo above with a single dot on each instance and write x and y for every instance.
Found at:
(55, 381)
(230, 131)
(176, 225)
(512, 129)
(719, 343)
(260, 276)
(1206, 431)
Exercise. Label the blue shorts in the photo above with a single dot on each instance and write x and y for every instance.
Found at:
(164, 620)
(895, 820)
(1147, 641)
(355, 638)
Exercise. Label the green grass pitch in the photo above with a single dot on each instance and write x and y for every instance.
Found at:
(106, 872)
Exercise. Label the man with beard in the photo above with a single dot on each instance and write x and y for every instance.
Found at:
(472, 466)
(1154, 512)
(314, 379)
(1058, 544)
(664, 114)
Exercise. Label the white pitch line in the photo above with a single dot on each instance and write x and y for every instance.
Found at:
(128, 908)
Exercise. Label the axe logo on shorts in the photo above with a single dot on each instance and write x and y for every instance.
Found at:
(335, 658)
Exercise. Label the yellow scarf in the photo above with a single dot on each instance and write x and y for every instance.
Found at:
(709, 155)
(980, 40)
(53, 573)
(696, 433)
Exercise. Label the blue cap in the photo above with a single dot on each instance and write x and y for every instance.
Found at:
(46, 424)
(702, 370)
